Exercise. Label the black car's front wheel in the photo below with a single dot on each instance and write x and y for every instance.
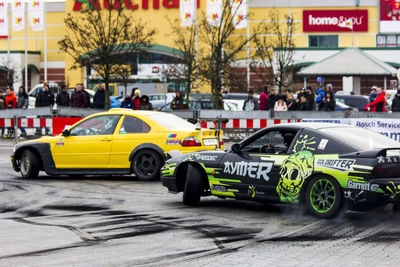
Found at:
(323, 197)
(193, 186)
(29, 164)
(146, 165)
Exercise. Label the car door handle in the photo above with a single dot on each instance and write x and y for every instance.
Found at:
(106, 139)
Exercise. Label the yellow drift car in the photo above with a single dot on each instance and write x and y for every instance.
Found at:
(119, 141)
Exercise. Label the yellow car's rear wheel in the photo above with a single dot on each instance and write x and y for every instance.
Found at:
(146, 165)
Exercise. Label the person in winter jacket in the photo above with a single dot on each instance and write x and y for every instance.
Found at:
(320, 95)
(396, 102)
(264, 99)
(78, 98)
(45, 98)
(272, 98)
(179, 102)
(145, 103)
(128, 103)
(373, 94)
(11, 99)
(99, 98)
(280, 105)
(302, 104)
(22, 102)
(87, 105)
(310, 98)
(290, 102)
(251, 103)
(62, 99)
(136, 99)
(378, 105)
(328, 103)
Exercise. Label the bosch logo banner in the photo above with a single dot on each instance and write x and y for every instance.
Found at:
(335, 20)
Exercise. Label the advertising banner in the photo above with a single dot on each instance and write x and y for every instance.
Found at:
(389, 14)
(239, 13)
(36, 19)
(214, 12)
(349, 20)
(388, 127)
(187, 12)
(18, 15)
(3, 19)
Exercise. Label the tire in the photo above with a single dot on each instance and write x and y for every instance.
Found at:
(193, 186)
(29, 165)
(323, 197)
(146, 165)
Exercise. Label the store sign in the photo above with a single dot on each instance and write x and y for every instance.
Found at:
(354, 20)
(389, 13)
(130, 4)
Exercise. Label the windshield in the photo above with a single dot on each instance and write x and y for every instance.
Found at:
(361, 139)
(171, 122)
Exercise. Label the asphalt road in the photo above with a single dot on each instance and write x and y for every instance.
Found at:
(92, 221)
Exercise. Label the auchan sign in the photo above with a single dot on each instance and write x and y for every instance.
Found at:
(355, 20)
(130, 4)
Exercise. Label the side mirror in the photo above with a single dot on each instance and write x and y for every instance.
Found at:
(235, 148)
(66, 132)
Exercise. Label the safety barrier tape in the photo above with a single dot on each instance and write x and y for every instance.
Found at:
(27, 122)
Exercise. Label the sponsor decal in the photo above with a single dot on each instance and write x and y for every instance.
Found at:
(174, 141)
(304, 143)
(171, 135)
(219, 188)
(362, 186)
(336, 164)
(205, 157)
(294, 170)
(253, 191)
(388, 159)
(60, 144)
(393, 189)
(323, 144)
(255, 170)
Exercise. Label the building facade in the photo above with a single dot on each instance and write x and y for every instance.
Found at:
(322, 29)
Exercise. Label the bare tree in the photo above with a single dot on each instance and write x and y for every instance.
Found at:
(274, 51)
(184, 40)
(12, 71)
(222, 51)
(98, 39)
(123, 75)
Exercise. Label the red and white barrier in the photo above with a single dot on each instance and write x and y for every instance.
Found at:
(245, 123)
(27, 122)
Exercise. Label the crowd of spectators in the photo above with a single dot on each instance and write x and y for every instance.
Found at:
(305, 99)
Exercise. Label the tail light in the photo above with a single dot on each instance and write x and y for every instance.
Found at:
(388, 170)
(191, 141)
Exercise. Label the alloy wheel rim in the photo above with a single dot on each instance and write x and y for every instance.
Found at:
(322, 195)
(25, 164)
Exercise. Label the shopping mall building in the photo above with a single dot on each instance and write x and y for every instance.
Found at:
(320, 33)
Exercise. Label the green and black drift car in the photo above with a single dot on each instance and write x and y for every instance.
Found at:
(318, 165)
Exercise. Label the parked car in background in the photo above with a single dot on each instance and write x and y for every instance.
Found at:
(205, 104)
(159, 100)
(33, 93)
(354, 101)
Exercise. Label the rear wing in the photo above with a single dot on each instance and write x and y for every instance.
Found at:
(374, 153)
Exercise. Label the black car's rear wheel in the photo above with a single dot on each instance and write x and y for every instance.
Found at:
(146, 165)
(193, 186)
(323, 196)
(29, 164)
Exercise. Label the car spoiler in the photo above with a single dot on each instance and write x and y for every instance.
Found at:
(373, 153)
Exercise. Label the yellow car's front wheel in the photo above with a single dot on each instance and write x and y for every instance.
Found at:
(146, 165)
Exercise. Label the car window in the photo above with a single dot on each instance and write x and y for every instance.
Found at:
(272, 142)
(99, 125)
(133, 125)
(340, 100)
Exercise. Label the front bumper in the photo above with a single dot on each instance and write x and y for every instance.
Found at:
(14, 163)
(170, 183)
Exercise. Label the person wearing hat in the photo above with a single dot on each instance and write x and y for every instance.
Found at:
(251, 103)
(373, 94)
(396, 102)
(136, 99)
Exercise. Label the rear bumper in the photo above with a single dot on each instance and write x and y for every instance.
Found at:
(390, 186)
